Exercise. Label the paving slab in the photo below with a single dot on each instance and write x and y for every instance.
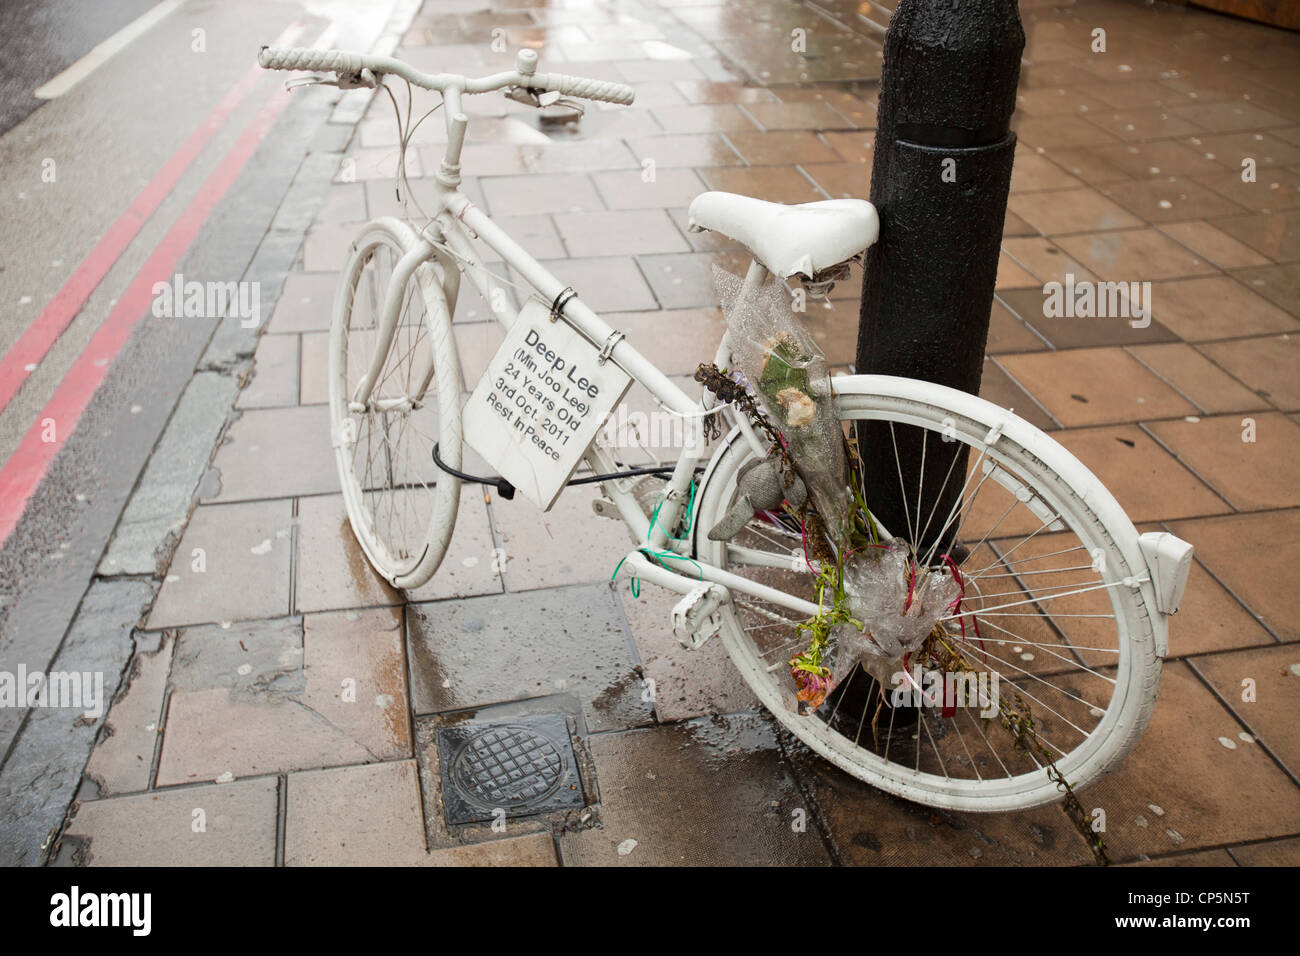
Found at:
(605, 283)
(1200, 380)
(371, 816)
(566, 545)
(475, 558)
(622, 232)
(1216, 243)
(332, 571)
(286, 695)
(305, 304)
(1146, 480)
(276, 453)
(536, 194)
(682, 683)
(1260, 233)
(232, 564)
(122, 761)
(869, 827)
(1270, 367)
(708, 792)
(1262, 687)
(230, 824)
(1211, 619)
(274, 380)
(355, 816)
(1229, 547)
(1184, 789)
(631, 190)
(486, 650)
(1113, 256)
(1095, 386)
(999, 388)
(685, 281)
(1249, 460)
(1216, 307)
(1279, 284)
(1271, 853)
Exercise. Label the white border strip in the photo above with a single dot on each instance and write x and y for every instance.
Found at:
(97, 57)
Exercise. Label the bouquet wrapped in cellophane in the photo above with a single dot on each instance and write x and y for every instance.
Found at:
(878, 604)
(790, 380)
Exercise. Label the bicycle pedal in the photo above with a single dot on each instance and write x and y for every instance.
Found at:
(698, 616)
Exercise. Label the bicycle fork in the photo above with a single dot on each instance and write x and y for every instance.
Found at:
(394, 297)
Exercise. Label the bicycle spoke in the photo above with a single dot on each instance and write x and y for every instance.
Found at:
(977, 575)
(1002, 584)
(389, 448)
(1050, 597)
(902, 486)
(959, 507)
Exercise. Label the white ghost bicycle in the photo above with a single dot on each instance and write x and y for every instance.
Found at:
(1062, 601)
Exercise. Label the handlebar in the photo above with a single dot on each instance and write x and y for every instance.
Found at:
(348, 64)
(302, 58)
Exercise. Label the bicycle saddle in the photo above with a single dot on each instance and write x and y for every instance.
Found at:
(807, 238)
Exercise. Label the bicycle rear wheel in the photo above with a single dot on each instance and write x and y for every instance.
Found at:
(1054, 607)
(401, 506)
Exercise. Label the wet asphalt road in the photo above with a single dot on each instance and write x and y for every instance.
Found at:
(40, 38)
(108, 138)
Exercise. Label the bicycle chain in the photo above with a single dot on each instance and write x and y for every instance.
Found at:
(1018, 719)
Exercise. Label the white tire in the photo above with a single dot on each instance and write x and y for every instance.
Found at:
(402, 508)
(1108, 669)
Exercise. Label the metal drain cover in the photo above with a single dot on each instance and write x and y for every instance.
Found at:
(522, 766)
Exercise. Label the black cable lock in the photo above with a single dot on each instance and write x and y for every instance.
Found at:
(504, 488)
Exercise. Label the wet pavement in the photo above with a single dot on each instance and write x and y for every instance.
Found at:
(279, 690)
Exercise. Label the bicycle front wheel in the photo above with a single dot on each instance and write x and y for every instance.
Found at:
(1055, 612)
(401, 506)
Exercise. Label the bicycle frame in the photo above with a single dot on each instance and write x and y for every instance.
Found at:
(450, 229)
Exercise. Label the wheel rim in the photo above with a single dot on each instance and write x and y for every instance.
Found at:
(385, 449)
(1029, 584)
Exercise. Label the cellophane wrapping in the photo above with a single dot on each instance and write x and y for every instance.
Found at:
(788, 375)
(898, 603)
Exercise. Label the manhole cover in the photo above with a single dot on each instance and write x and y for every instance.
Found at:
(507, 767)
(520, 767)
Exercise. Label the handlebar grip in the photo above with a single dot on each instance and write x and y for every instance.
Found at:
(300, 58)
(604, 90)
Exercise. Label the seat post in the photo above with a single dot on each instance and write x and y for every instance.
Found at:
(755, 278)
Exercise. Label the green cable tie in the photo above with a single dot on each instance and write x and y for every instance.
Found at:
(654, 517)
(689, 517)
(636, 582)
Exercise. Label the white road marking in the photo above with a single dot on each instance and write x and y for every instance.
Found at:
(101, 54)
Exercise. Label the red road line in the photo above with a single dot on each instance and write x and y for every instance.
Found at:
(30, 347)
(27, 467)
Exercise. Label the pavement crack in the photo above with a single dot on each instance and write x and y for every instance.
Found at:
(333, 726)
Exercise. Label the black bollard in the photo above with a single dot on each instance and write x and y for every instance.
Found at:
(940, 177)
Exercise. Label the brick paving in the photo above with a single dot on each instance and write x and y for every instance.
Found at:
(292, 690)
